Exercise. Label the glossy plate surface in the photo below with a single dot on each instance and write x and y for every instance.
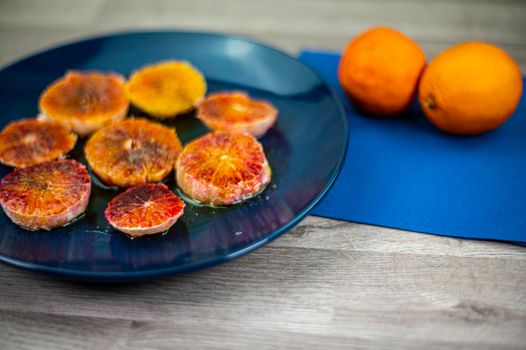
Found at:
(305, 150)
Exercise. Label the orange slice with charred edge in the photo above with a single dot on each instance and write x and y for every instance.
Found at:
(166, 89)
(132, 152)
(28, 142)
(144, 210)
(222, 168)
(236, 111)
(86, 101)
(46, 195)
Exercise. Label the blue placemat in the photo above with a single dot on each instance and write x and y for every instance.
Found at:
(406, 174)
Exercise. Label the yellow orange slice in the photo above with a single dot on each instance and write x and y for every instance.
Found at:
(166, 89)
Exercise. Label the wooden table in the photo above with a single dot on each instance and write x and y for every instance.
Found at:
(325, 284)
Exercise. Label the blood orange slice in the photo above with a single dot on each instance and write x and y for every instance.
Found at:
(222, 168)
(236, 111)
(132, 152)
(144, 210)
(166, 89)
(87, 101)
(46, 195)
(28, 142)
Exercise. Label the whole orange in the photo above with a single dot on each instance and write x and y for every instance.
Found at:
(379, 70)
(470, 88)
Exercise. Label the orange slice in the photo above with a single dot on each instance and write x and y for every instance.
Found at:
(166, 89)
(144, 210)
(132, 152)
(236, 111)
(87, 101)
(222, 168)
(46, 195)
(28, 142)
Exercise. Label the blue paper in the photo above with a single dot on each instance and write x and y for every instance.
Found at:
(404, 173)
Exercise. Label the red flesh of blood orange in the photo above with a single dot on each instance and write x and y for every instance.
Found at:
(87, 101)
(222, 168)
(144, 210)
(28, 142)
(46, 195)
(236, 111)
(132, 152)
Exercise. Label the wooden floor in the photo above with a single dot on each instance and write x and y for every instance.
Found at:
(326, 284)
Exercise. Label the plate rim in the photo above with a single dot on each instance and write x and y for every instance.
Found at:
(99, 276)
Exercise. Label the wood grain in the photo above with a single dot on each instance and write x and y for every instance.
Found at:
(325, 284)
(289, 25)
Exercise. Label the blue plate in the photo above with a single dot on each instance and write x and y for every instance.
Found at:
(305, 149)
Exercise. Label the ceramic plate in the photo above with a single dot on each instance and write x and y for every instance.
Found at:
(305, 149)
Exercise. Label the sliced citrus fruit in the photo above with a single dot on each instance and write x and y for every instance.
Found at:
(236, 111)
(144, 210)
(46, 195)
(222, 168)
(87, 101)
(28, 142)
(132, 152)
(166, 89)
